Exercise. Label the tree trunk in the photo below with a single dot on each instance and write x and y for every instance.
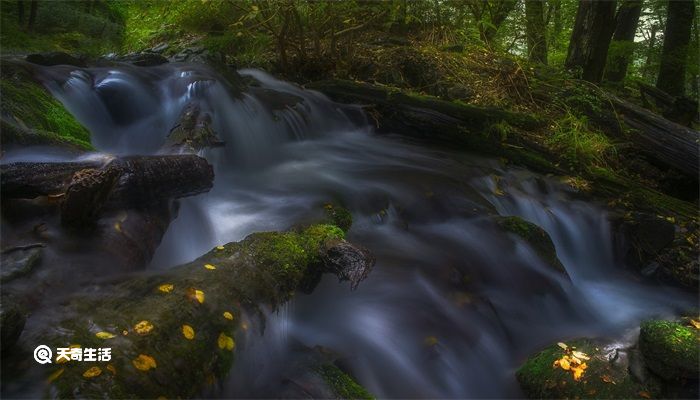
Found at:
(647, 69)
(141, 180)
(20, 12)
(556, 24)
(33, 8)
(590, 39)
(622, 45)
(675, 51)
(536, 32)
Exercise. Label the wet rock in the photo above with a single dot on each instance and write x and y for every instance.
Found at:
(606, 374)
(671, 350)
(145, 59)
(55, 58)
(193, 131)
(12, 320)
(349, 262)
(160, 48)
(647, 235)
(535, 236)
(19, 261)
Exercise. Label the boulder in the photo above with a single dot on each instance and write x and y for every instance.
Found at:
(12, 320)
(19, 261)
(535, 236)
(670, 349)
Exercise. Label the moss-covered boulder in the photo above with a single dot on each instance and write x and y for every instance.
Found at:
(172, 333)
(12, 320)
(555, 373)
(535, 236)
(671, 350)
(30, 115)
(342, 385)
(338, 215)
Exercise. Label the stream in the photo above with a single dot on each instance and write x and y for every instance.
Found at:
(454, 303)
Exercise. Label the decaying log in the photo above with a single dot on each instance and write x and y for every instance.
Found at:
(673, 144)
(174, 332)
(142, 180)
(682, 110)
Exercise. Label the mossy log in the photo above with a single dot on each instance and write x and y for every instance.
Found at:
(127, 182)
(173, 333)
(444, 123)
(672, 144)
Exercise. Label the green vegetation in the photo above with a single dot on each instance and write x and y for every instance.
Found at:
(670, 349)
(579, 144)
(342, 384)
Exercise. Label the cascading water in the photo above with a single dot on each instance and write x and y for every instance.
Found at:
(454, 303)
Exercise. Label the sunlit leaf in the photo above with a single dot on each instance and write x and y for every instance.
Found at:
(143, 362)
(209, 266)
(220, 247)
(225, 342)
(143, 328)
(55, 375)
(104, 335)
(188, 332)
(111, 369)
(562, 345)
(644, 394)
(607, 379)
(92, 372)
(166, 287)
(695, 323)
(578, 371)
(228, 315)
(580, 355)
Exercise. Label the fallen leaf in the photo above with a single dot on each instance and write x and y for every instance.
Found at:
(188, 332)
(580, 355)
(564, 364)
(55, 375)
(199, 295)
(166, 287)
(644, 394)
(225, 342)
(144, 362)
(220, 247)
(578, 371)
(143, 328)
(111, 369)
(92, 372)
(209, 266)
(228, 315)
(563, 345)
(607, 379)
(695, 323)
(104, 335)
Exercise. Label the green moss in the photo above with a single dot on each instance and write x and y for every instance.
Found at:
(338, 216)
(535, 236)
(539, 378)
(579, 144)
(670, 349)
(342, 384)
(28, 104)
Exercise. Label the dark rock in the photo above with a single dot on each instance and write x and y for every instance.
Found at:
(459, 92)
(55, 58)
(12, 320)
(160, 48)
(607, 373)
(671, 350)
(145, 59)
(535, 236)
(19, 261)
(193, 131)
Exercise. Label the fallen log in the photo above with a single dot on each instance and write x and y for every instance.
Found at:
(140, 180)
(174, 332)
(672, 144)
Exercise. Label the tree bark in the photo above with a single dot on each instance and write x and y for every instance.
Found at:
(33, 9)
(668, 142)
(590, 39)
(675, 51)
(622, 45)
(20, 12)
(536, 32)
(142, 180)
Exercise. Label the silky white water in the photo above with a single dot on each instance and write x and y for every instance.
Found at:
(454, 303)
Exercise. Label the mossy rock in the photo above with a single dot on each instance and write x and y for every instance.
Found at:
(535, 236)
(31, 115)
(671, 350)
(602, 379)
(343, 386)
(338, 216)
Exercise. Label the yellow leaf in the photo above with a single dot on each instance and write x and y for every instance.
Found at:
(55, 375)
(563, 345)
(607, 379)
(209, 266)
(578, 371)
(111, 369)
(199, 295)
(117, 227)
(564, 364)
(143, 327)
(188, 332)
(143, 362)
(92, 372)
(644, 394)
(580, 355)
(225, 342)
(228, 315)
(166, 287)
(695, 323)
(104, 335)
(220, 247)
